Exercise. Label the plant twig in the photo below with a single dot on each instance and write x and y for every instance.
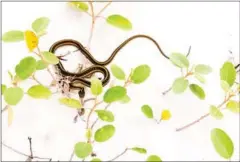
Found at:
(101, 11)
(23, 154)
(92, 26)
(204, 116)
(119, 155)
(5, 108)
(71, 157)
(30, 146)
(35, 79)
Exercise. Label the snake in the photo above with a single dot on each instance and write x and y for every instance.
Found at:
(79, 79)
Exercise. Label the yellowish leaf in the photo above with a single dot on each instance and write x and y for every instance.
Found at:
(166, 115)
(31, 40)
(10, 116)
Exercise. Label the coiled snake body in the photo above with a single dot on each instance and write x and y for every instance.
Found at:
(79, 79)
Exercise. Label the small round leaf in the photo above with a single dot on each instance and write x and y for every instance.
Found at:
(105, 133)
(228, 73)
(140, 74)
(105, 115)
(233, 106)
(50, 58)
(179, 60)
(153, 158)
(139, 150)
(31, 40)
(180, 85)
(70, 102)
(26, 67)
(147, 111)
(117, 72)
(203, 69)
(119, 22)
(39, 92)
(40, 24)
(198, 91)
(41, 65)
(13, 36)
(13, 95)
(82, 6)
(82, 149)
(114, 94)
(215, 112)
(222, 143)
(166, 115)
(96, 86)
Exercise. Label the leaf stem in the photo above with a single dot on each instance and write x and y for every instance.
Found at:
(119, 155)
(204, 116)
(35, 79)
(90, 113)
(104, 8)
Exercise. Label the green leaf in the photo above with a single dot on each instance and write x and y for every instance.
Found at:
(13, 36)
(82, 6)
(225, 86)
(50, 58)
(125, 99)
(198, 91)
(228, 73)
(153, 158)
(105, 115)
(233, 106)
(179, 60)
(222, 143)
(40, 24)
(88, 134)
(147, 111)
(215, 112)
(203, 69)
(140, 74)
(96, 159)
(82, 149)
(200, 78)
(26, 67)
(96, 86)
(39, 92)
(180, 85)
(70, 102)
(10, 74)
(119, 22)
(114, 94)
(4, 87)
(41, 65)
(139, 150)
(105, 133)
(13, 95)
(117, 72)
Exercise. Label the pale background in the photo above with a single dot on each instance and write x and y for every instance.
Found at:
(210, 28)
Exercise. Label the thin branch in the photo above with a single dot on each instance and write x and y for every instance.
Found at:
(30, 146)
(35, 79)
(92, 26)
(101, 11)
(189, 51)
(87, 100)
(49, 71)
(90, 113)
(166, 91)
(204, 116)
(14, 150)
(119, 155)
(71, 157)
(5, 108)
